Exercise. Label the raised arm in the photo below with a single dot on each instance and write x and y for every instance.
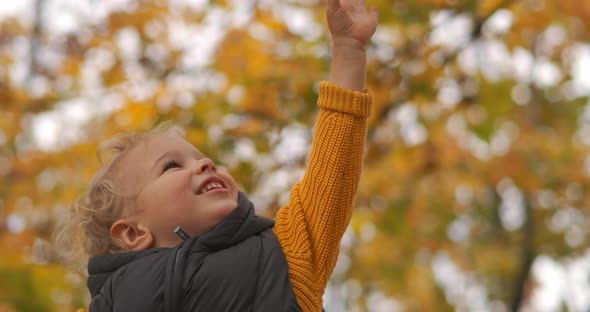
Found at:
(311, 226)
(351, 27)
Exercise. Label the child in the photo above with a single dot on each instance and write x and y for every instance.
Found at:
(223, 257)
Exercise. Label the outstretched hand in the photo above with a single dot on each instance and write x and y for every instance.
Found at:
(351, 22)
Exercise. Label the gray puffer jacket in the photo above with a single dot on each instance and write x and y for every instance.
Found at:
(238, 266)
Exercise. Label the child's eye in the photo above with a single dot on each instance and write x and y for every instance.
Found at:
(169, 165)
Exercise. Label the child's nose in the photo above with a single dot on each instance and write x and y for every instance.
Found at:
(203, 165)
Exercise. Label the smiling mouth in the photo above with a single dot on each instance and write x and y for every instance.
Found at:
(211, 185)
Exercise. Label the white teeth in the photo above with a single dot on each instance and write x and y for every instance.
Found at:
(209, 186)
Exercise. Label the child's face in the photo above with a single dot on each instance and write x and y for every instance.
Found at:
(176, 185)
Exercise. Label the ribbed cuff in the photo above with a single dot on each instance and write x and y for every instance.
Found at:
(336, 98)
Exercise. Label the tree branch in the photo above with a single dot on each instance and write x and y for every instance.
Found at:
(412, 47)
(35, 40)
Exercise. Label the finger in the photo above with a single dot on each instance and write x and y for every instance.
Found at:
(356, 3)
(333, 5)
(375, 12)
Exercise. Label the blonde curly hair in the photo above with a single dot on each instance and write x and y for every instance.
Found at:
(85, 230)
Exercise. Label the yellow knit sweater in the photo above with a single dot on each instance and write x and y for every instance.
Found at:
(311, 225)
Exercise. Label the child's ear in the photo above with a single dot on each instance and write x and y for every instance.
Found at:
(131, 235)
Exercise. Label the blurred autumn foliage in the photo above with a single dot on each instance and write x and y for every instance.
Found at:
(477, 162)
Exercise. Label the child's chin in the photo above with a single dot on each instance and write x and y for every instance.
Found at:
(228, 208)
(222, 207)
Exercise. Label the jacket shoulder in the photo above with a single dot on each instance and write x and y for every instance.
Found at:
(136, 286)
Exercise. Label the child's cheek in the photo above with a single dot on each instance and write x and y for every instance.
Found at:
(183, 185)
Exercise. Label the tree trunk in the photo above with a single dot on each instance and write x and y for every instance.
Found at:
(527, 257)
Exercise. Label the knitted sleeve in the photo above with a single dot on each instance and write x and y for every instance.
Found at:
(311, 225)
